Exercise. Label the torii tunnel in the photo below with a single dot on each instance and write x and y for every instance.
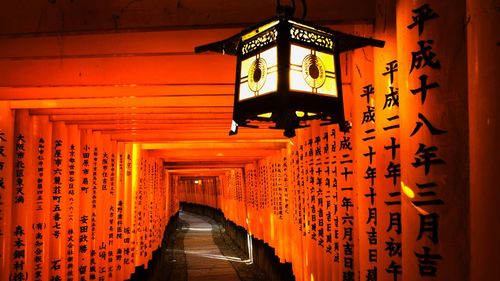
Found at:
(114, 146)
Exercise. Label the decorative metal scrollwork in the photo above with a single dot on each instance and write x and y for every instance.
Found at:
(311, 37)
(260, 41)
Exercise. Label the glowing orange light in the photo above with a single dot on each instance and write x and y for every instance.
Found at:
(407, 191)
(265, 115)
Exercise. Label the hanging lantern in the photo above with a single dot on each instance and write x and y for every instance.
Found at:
(288, 72)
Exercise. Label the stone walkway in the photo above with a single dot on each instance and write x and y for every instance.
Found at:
(203, 252)
(204, 260)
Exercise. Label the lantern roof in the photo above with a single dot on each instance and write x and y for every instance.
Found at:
(344, 41)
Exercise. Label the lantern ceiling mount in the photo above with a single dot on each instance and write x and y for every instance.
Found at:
(288, 72)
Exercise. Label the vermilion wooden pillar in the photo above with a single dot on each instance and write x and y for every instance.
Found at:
(128, 212)
(59, 202)
(158, 192)
(262, 233)
(279, 213)
(74, 190)
(272, 187)
(288, 226)
(85, 210)
(6, 167)
(111, 217)
(42, 153)
(348, 205)
(432, 75)
(135, 207)
(139, 219)
(387, 147)
(120, 220)
(168, 197)
(326, 203)
(97, 205)
(265, 211)
(483, 58)
(367, 170)
(23, 183)
(315, 171)
(296, 211)
(102, 205)
(150, 228)
(307, 253)
(333, 159)
(153, 210)
(258, 232)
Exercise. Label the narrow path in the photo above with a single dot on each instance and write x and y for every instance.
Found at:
(204, 260)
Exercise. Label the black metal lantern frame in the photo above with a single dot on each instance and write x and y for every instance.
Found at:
(288, 72)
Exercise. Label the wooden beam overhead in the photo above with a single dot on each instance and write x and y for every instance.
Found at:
(160, 42)
(136, 110)
(149, 122)
(16, 92)
(201, 172)
(185, 69)
(62, 17)
(199, 133)
(154, 138)
(124, 102)
(133, 116)
(215, 153)
(205, 164)
(145, 126)
(212, 145)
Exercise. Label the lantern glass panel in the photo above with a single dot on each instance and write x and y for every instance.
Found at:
(259, 74)
(312, 71)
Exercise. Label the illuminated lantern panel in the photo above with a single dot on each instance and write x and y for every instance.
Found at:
(259, 74)
(312, 71)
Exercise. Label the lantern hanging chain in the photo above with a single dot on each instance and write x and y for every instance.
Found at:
(304, 9)
(290, 10)
(284, 9)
